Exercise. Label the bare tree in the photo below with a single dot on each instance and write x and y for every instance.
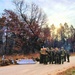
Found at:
(37, 15)
(30, 14)
(52, 31)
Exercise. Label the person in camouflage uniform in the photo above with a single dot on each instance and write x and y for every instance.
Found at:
(56, 56)
(62, 55)
(43, 55)
(68, 55)
(48, 54)
(59, 56)
(52, 55)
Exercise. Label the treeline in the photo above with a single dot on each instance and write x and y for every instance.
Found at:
(26, 30)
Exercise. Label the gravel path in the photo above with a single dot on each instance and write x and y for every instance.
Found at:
(36, 69)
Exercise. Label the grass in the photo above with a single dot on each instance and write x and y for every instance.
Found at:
(70, 71)
(20, 56)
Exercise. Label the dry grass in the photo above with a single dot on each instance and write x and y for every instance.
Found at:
(20, 56)
(70, 71)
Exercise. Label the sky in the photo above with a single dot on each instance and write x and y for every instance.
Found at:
(58, 11)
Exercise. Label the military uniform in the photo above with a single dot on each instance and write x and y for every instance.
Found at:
(56, 57)
(68, 55)
(52, 55)
(43, 56)
(59, 56)
(62, 55)
(49, 56)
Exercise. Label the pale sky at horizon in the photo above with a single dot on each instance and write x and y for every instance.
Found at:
(58, 11)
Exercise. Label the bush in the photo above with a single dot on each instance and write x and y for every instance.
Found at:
(5, 62)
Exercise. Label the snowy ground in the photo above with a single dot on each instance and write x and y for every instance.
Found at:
(36, 69)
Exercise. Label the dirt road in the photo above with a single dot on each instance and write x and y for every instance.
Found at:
(36, 69)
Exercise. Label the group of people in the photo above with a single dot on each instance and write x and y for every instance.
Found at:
(54, 55)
